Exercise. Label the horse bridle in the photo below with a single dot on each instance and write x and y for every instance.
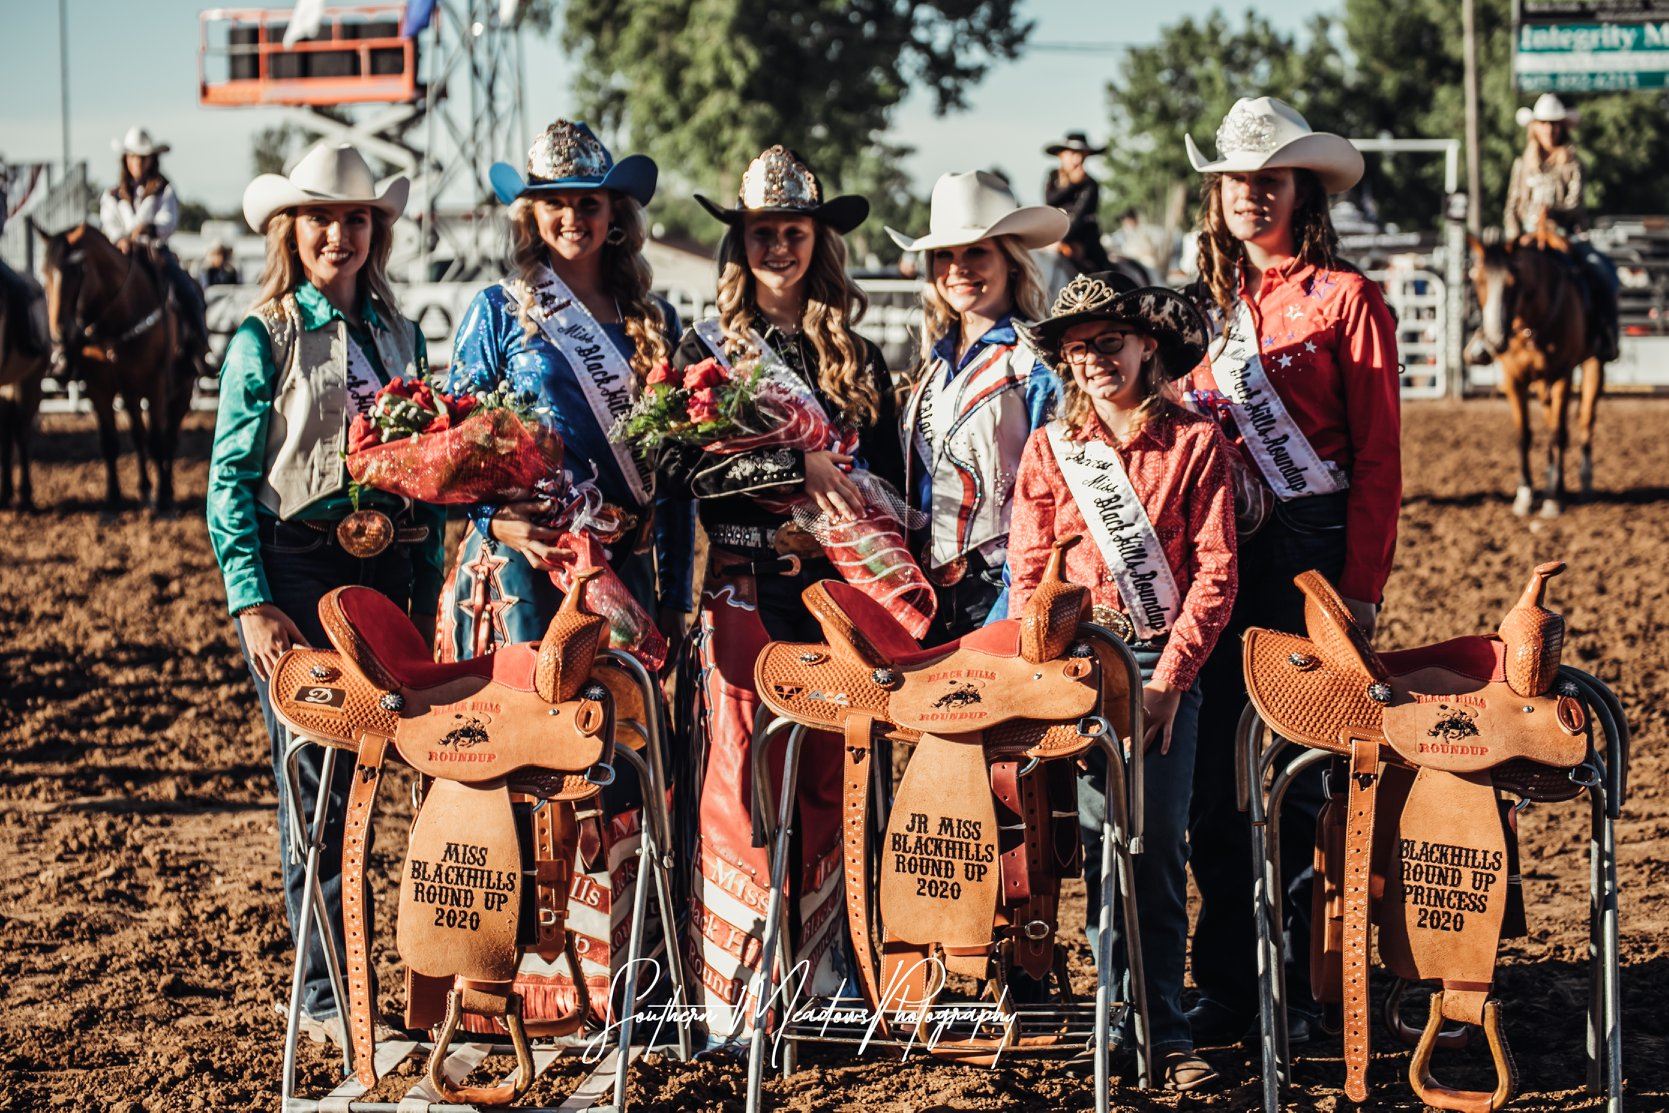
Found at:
(88, 334)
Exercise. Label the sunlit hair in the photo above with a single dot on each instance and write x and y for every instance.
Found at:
(1026, 293)
(833, 304)
(626, 275)
(1076, 409)
(132, 189)
(283, 271)
(1221, 255)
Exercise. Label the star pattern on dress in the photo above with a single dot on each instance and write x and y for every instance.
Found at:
(1285, 361)
(488, 600)
(1294, 313)
(1322, 283)
(1309, 346)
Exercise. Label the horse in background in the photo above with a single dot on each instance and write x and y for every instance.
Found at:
(23, 365)
(114, 328)
(1536, 326)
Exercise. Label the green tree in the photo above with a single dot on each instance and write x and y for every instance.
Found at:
(704, 85)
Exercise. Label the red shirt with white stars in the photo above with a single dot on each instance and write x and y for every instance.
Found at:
(1329, 347)
(1178, 464)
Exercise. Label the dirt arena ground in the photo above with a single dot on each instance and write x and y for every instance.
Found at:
(144, 946)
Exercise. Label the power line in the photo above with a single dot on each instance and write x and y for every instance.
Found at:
(1082, 47)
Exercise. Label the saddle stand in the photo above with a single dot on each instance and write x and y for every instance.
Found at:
(961, 873)
(1417, 838)
(506, 745)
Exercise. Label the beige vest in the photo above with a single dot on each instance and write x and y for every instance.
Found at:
(307, 432)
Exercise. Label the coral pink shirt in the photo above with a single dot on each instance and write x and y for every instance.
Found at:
(1329, 347)
(1178, 464)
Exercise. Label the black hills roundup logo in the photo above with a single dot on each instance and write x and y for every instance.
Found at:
(471, 732)
(961, 695)
(1458, 724)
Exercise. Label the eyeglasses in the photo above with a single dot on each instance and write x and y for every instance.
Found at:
(1106, 344)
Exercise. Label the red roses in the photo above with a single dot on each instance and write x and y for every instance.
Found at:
(405, 408)
(704, 375)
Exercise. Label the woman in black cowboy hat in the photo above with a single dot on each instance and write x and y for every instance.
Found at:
(783, 293)
(1070, 189)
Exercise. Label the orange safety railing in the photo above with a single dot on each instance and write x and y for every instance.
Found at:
(358, 57)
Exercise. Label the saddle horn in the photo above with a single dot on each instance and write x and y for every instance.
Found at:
(1534, 635)
(1052, 614)
(569, 646)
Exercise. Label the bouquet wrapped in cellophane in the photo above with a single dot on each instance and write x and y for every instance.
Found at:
(459, 450)
(758, 403)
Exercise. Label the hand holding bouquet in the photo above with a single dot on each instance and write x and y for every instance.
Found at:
(759, 403)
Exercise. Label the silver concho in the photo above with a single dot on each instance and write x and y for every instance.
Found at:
(594, 692)
(885, 678)
(322, 672)
(1080, 649)
(1245, 130)
(567, 150)
(392, 701)
(1380, 692)
(1301, 660)
(778, 180)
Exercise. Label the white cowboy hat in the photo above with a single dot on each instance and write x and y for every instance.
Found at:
(138, 141)
(329, 174)
(1265, 133)
(976, 206)
(1549, 110)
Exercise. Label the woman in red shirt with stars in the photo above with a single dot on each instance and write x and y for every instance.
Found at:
(1147, 483)
(1303, 371)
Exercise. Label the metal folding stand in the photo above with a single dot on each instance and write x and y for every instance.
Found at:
(1604, 774)
(655, 863)
(1090, 1024)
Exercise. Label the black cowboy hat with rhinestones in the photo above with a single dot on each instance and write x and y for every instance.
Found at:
(1163, 314)
(779, 181)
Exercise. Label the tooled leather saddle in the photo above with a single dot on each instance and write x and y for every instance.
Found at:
(976, 841)
(509, 741)
(1420, 843)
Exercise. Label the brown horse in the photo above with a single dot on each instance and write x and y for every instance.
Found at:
(114, 329)
(1535, 324)
(21, 375)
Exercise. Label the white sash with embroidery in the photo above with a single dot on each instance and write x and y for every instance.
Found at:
(1284, 456)
(602, 371)
(1122, 530)
(363, 383)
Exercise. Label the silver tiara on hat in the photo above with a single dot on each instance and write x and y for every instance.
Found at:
(1245, 130)
(568, 150)
(778, 180)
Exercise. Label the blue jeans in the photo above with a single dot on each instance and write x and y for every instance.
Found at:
(1300, 535)
(301, 566)
(1161, 869)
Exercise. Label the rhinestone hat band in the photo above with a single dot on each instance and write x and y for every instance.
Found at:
(778, 180)
(1245, 130)
(568, 150)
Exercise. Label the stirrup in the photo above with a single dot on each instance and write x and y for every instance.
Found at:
(1439, 1096)
(502, 1094)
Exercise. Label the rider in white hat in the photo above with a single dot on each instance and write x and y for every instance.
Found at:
(1547, 181)
(141, 210)
(981, 390)
(1305, 373)
(325, 336)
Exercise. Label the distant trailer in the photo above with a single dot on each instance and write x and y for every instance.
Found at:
(359, 56)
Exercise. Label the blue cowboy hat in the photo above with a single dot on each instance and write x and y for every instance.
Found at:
(569, 156)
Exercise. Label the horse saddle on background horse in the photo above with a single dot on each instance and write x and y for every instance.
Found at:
(984, 823)
(1419, 842)
(508, 742)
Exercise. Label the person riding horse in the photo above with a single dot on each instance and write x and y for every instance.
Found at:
(1547, 181)
(142, 210)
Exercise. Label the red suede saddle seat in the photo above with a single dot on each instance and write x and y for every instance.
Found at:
(400, 650)
(1481, 658)
(897, 647)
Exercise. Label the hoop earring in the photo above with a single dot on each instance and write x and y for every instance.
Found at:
(616, 235)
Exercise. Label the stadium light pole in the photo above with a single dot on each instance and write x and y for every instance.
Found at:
(1474, 179)
(64, 81)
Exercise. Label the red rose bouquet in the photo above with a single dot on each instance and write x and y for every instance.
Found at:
(460, 450)
(759, 403)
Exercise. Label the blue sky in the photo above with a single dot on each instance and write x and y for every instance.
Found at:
(135, 62)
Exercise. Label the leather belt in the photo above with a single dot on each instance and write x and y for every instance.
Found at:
(731, 535)
(1365, 772)
(786, 564)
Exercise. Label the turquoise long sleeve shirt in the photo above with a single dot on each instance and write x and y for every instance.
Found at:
(248, 376)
